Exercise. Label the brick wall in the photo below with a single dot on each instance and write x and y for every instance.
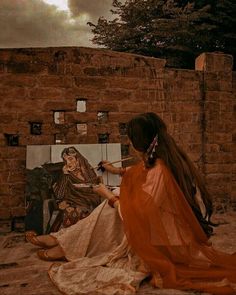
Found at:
(198, 106)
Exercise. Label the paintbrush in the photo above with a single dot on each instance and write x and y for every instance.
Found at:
(118, 161)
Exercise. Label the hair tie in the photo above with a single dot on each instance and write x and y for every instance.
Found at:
(152, 147)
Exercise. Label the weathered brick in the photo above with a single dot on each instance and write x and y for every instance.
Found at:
(218, 168)
(228, 147)
(7, 118)
(4, 177)
(75, 117)
(5, 189)
(44, 116)
(24, 67)
(55, 81)
(17, 200)
(46, 93)
(18, 211)
(114, 95)
(5, 213)
(5, 55)
(12, 152)
(137, 108)
(37, 140)
(4, 201)
(58, 68)
(124, 83)
(219, 157)
(77, 70)
(212, 147)
(61, 105)
(102, 106)
(120, 116)
(94, 82)
(218, 180)
(225, 85)
(214, 62)
(5, 225)
(12, 92)
(216, 137)
(102, 71)
(212, 85)
(17, 80)
(2, 68)
(18, 176)
(199, 110)
(212, 96)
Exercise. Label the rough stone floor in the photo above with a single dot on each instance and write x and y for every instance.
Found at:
(21, 272)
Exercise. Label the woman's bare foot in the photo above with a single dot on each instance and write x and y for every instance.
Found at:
(48, 240)
(52, 254)
(43, 241)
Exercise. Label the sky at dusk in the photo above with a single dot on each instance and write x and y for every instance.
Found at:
(49, 23)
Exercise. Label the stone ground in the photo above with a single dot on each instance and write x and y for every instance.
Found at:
(21, 272)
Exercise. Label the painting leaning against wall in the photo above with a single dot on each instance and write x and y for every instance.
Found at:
(58, 187)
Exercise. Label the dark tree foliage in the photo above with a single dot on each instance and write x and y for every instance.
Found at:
(176, 30)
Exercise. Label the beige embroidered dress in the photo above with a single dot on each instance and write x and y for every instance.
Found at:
(100, 261)
(162, 230)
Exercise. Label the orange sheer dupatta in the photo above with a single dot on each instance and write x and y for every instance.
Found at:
(163, 231)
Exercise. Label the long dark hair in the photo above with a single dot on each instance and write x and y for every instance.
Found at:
(142, 131)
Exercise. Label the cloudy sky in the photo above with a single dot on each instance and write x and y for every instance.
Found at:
(42, 23)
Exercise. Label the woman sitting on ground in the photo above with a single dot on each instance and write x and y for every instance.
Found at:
(165, 211)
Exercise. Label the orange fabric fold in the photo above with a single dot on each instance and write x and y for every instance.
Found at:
(163, 231)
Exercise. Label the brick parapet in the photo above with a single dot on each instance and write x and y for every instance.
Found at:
(218, 126)
(197, 106)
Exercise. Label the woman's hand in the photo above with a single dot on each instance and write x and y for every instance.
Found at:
(65, 169)
(103, 191)
(106, 165)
